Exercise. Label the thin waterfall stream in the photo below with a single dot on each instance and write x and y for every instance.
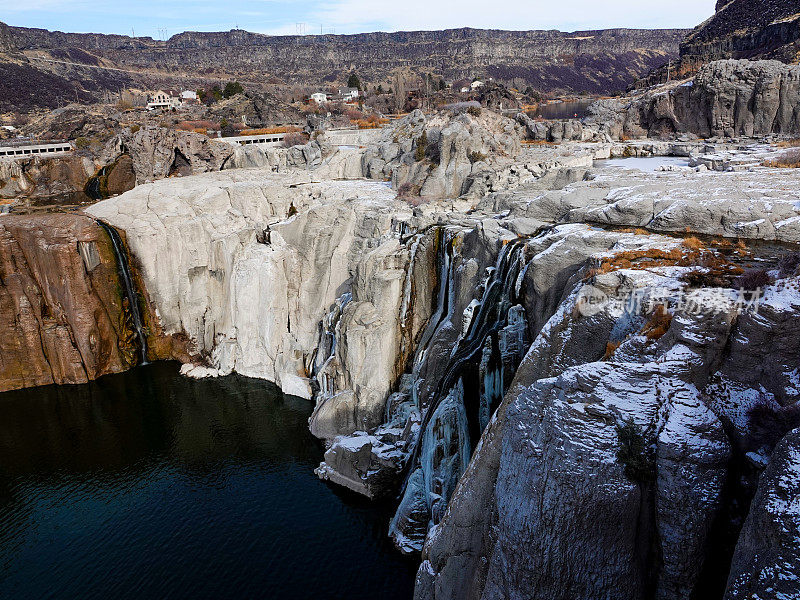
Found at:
(130, 290)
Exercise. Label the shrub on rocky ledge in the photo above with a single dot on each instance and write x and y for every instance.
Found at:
(789, 264)
(476, 157)
(294, 138)
(636, 453)
(752, 280)
(787, 160)
(422, 144)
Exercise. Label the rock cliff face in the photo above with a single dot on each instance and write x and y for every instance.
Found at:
(61, 312)
(767, 554)
(246, 265)
(597, 61)
(740, 29)
(726, 98)
(158, 152)
(546, 368)
(745, 29)
(443, 156)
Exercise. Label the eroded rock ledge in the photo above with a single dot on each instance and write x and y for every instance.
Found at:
(481, 357)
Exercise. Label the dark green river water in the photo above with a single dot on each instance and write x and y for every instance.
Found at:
(150, 485)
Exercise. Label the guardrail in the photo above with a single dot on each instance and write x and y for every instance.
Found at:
(24, 151)
(244, 140)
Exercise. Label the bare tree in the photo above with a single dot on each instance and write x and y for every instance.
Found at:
(399, 90)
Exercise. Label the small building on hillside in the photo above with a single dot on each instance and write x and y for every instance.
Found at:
(319, 97)
(348, 94)
(476, 84)
(162, 99)
(189, 97)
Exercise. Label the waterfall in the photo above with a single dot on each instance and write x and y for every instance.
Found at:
(326, 346)
(130, 290)
(481, 364)
(94, 187)
(443, 306)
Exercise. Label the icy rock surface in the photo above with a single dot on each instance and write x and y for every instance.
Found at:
(765, 564)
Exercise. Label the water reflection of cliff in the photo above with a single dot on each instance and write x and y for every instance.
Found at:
(135, 419)
(150, 485)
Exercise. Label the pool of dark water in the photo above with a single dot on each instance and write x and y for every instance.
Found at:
(573, 109)
(150, 485)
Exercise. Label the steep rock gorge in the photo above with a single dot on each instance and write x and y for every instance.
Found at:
(596, 61)
(544, 369)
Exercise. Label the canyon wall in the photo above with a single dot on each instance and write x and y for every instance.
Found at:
(739, 29)
(62, 313)
(727, 98)
(595, 61)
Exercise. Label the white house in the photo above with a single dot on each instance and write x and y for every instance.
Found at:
(477, 84)
(464, 90)
(348, 94)
(162, 99)
(319, 97)
(189, 97)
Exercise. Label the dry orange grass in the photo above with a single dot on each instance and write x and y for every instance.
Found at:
(269, 130)
(787, 160)
(714, 269)
(370, 123)
(611, 347)
(693, 243)
(657, 325)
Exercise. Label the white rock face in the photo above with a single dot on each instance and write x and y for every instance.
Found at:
(614, 439)
(247, 263)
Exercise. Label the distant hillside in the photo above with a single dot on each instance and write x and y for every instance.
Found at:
(747, 29)
(595, 61)
(752, 29)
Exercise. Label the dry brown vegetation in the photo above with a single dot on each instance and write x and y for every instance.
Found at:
(787, 160)
(791, 143)
(658, 323)
(611, 347)
(711, 259)
(269, 130)
(294, 138)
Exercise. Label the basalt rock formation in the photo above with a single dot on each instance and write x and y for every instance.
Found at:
(444, 156)
(726, 98)
(766, 557)
(740, 29)
(568, 391)
(597, 61)
(753, 29)
(72, 307)
(63, 318)
(158, 152)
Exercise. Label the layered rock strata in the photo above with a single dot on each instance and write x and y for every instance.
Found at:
(63, 315)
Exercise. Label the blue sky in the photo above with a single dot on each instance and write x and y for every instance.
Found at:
(151, 17)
